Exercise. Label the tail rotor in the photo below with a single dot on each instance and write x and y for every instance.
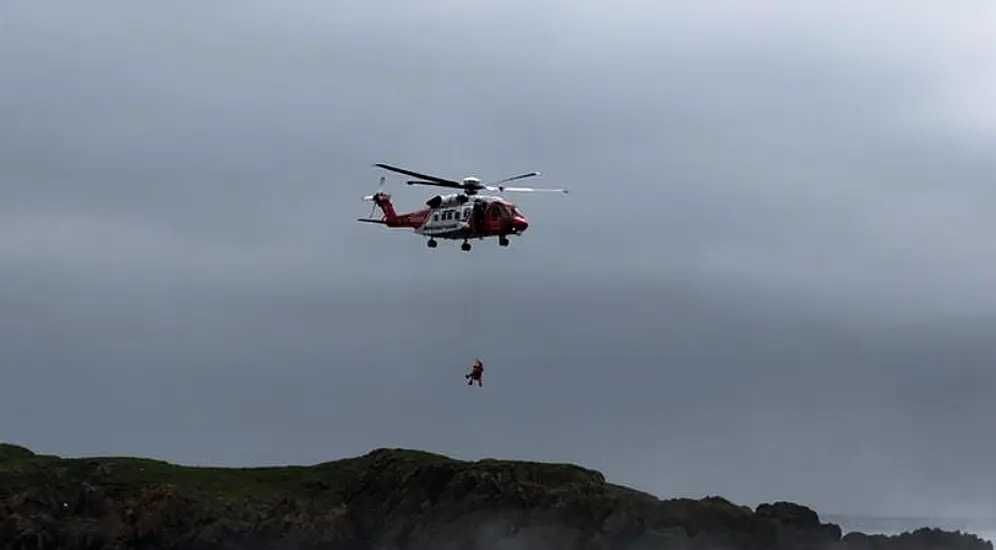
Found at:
(373, 197)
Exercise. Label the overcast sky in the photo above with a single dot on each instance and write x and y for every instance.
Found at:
(773, 278)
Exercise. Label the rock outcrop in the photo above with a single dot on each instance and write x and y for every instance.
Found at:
(389, 499)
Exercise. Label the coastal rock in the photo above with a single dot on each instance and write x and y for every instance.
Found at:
(390, 499)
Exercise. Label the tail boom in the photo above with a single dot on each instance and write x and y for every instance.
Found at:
(391, 218)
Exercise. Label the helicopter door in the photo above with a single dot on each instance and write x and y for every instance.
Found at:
(477, 218)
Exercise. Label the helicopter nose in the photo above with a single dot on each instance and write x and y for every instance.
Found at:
(520, 224)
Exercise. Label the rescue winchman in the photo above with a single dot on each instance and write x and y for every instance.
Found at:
(476, 372)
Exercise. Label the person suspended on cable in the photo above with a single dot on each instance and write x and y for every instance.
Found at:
(476, 372)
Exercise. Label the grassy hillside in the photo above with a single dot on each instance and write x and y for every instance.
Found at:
(389, 498)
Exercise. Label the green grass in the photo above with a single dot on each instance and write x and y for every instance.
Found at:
(13, 452)
(20, 468)
(319, 483)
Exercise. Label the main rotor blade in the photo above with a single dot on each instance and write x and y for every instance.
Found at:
(445, 182)
(519, 177)
(502, 188)
(437, 184)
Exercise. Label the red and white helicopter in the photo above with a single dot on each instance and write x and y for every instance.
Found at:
(457, 216)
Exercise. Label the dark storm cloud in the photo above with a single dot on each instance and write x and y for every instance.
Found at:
(771, 280)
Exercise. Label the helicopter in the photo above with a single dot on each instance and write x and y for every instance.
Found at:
(462, 215)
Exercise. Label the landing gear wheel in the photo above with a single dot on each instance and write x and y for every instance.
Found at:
(502, 241)
(465, 246)
(432, 243)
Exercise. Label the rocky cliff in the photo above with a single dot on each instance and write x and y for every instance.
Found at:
(389, 499)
